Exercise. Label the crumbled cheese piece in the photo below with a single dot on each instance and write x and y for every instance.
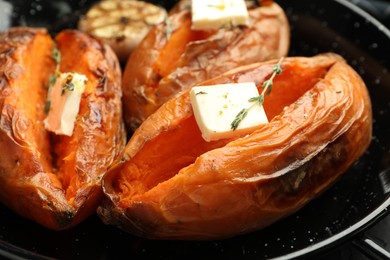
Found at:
(215, 107)
(65, 97)
(214, 14)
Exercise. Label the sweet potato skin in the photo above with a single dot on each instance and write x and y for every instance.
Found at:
(56, 181)
(229, 187)
(152, 76)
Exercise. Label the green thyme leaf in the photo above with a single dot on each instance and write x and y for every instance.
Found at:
(67, 86)
(56, 54)
(277, 69)
(239, 117)
(52, 80)
(259, 100)
(47, 106)
(268, 85)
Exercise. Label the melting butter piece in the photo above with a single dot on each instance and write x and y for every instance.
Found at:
(215, 107)
(214, 14)
(65, 97)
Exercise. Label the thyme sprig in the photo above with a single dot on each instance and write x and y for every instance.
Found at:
(258, 100)
(56, 56)
(68, 85)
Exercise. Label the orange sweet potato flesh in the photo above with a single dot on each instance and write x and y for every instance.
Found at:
(171, 184)
(56, 180)
(166, 63)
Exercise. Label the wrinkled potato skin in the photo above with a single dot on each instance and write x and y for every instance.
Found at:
(197, 190)
(144, 89)
(56, 180)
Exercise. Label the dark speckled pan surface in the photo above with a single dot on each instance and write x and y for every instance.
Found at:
(342, 213)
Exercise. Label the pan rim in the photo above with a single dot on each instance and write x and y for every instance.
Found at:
(378, 213)
(9, 250)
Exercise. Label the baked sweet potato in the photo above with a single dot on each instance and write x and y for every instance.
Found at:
(56, 180)
(171, 184)
(173, 57)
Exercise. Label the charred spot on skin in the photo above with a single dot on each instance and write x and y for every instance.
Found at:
(163, 128)
(291, 182)
(101, 74)
(213, 165)
(120, 38)
(95, 114)
(331, 156)
(134, 123)
(339, 153)
(124, 20)
(311, 96)
(8, 52)
(83, 46)
(65, 218)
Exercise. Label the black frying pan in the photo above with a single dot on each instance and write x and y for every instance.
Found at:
(342, 213)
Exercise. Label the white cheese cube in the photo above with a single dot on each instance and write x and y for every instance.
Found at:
(215, 108)
(214, 14)
(65, 97)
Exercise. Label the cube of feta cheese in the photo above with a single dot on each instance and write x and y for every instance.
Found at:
(214, 14)
(215, 107)
(65, 97)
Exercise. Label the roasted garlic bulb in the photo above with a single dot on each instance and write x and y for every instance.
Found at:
(122, 24)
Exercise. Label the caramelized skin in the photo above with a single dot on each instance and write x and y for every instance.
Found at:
(27, 182)
(160, 67)
(171, 184)
(56, 180)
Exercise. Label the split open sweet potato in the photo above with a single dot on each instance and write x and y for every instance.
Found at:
(56, 180)
(174, 57)
(171, 184)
